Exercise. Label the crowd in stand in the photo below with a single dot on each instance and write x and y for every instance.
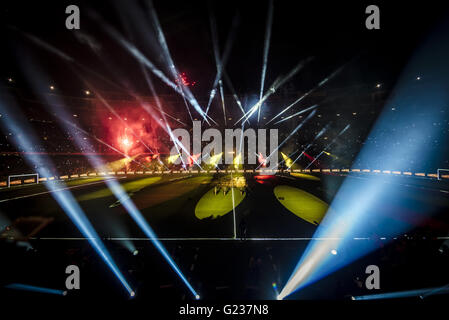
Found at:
(387, 147)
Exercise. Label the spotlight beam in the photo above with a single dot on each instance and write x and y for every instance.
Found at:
(265, 52)
(329, 145)
(220, 63)
(145, 227)
(130, 48)
(220, 84)
(130, 207)
(323, 82)
(288, 156)
(130, 92)
(354, 207)
(276, 85)
(112, 184)
(214, 34)
(64, 198)
(314, 159)
(423, 293)
(70, 59)
(322, 131)
(171, 65)
(112, 110)
(99, 140)
(26, 287)
(166, 126)
(64, 56)
(290, 135)
(234, 94)
(158, 104)
(297, 113)
(144, 105)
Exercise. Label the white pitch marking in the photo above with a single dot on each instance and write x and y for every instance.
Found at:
(233, 207)
(192, 239)
(61, 189)
(207, 239)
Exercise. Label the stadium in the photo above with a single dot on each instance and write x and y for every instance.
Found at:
(351, 174)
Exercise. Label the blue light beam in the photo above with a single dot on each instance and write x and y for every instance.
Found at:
(396, 142)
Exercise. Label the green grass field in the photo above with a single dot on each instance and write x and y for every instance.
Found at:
(169, 192)
(129, 187)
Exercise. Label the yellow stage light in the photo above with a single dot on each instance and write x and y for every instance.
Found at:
(237, 161)
(287, 160)
(215, 159)
(173, 158)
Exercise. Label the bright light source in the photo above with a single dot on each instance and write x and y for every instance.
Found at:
(173, 158)
(237, 161)
(288, 161)
(197, 297)
(87, 92)
(378, 85)
(215, 159)
(52, 88)
(10, 80)
(126, 142)
(63, 197)
(279, 297)
(136, 252)
(418, 78)
(132, 294)
(334, 252)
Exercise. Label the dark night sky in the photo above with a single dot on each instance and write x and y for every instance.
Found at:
(332, 33)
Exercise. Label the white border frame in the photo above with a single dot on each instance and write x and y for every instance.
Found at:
(23, 175)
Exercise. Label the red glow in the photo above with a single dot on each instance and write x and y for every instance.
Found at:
(193, 159)
(182, 78)
(263, 177)
(125, 143)
(317, 162)
(261, 160)
(137, 134)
